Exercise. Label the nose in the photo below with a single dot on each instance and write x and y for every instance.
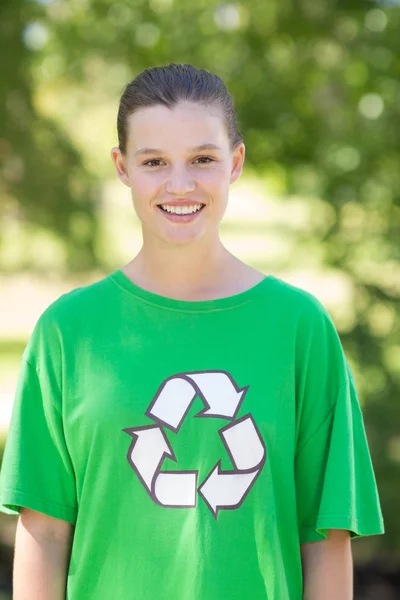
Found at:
(179, 182)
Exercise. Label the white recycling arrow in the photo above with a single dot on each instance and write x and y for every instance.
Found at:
(146, 454)
(243, 443)
(226, 489)
(219, 392)
(221, 396)
(176, 489)
(172, 402)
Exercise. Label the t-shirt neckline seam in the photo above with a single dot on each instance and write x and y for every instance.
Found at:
(194, 310)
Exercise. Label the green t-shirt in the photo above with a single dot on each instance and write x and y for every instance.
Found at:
(193, 444)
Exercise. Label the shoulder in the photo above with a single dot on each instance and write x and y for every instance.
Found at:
(297, 302)
(303, 318)
(68, 314)
(317, 342)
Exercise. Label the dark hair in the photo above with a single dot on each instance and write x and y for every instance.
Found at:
(169, 85)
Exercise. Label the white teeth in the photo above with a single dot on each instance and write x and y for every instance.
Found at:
(181, 210)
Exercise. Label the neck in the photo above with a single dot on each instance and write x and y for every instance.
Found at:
(184, 271)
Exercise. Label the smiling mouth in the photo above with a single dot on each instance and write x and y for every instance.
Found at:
(182, 214)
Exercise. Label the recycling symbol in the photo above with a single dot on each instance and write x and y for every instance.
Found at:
(222, 398)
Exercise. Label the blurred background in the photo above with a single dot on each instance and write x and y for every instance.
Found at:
(317, 91)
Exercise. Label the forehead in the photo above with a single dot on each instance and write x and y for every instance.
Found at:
(186, 124)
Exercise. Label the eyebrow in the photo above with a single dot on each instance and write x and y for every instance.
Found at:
(191, 149)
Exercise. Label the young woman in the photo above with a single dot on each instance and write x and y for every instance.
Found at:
(187, 428)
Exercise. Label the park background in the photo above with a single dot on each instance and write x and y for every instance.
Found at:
(316, 86)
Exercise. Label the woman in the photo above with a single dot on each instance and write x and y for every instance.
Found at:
(187, 428)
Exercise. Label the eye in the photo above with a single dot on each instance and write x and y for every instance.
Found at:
(206, 158)
(153, 160)
(204, 161)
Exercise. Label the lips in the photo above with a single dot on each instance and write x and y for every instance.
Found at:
(180, 203)
(182, 214)
(181, 217)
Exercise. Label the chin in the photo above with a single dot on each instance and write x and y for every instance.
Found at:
(182, 238)
(175, 241)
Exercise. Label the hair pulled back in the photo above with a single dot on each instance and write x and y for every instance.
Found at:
(170, 84)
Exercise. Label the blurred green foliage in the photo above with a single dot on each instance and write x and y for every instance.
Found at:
(317, 91)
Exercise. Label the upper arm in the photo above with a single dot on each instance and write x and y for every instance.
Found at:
(329, 559)
(328, 567)
(338, 540)
(41, 557)
(44, 527)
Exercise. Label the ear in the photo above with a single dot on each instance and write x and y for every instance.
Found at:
(237, 161)
(119, 162)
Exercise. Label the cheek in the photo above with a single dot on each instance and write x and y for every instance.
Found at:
(145, 185)
(140, 182)
(216, 178)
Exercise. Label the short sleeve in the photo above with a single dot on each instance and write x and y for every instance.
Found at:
(335, 481)
(36, 470)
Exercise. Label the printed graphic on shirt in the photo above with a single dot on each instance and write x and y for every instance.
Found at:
(241, 438)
